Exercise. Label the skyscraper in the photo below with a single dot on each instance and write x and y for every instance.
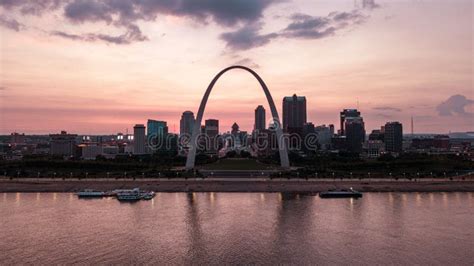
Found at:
(186, 123)
(294, 113)
(346, 113)
(355, 133)
(259, 118)
(211, 130)
(393, 137)
(157, 132)
(212, 127)
(139, 139)
(156, 128)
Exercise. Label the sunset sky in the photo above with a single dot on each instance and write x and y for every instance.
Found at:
(91, 66)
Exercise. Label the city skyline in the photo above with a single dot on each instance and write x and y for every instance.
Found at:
(236, 132)
(53, 78)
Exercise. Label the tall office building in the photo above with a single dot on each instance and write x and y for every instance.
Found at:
(211, 129)
(345, 114)
(139, 139)
(294, 113)
(259, 118)
(156, 128)
(355, 133)
(157, 132)
(393, 137)
(186, 124)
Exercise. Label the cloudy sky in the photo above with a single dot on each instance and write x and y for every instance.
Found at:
(101, 66)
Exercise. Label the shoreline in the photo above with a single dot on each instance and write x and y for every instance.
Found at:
(236, 185)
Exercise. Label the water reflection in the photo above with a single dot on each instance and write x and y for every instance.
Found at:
(196, 247)
(18, 198)
(390, 198)
(238, 228)
(419, 199)
(212, 197)
(445, 199)
(293, 223)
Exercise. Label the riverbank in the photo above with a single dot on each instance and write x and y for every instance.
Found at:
(236, 185)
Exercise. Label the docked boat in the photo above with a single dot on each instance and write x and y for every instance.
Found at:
(90, 193)
(341, 193)
(129, 194)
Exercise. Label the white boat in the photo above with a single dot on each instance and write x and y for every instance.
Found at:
(128, 194)
(148, 195)
(90, 193)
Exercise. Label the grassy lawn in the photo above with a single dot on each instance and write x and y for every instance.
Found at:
(238, 164)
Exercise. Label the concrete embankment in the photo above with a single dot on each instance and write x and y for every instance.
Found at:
(236, 185)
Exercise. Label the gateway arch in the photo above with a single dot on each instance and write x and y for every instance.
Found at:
(197, 124)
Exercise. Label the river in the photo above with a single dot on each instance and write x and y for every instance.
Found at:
(238, 228)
